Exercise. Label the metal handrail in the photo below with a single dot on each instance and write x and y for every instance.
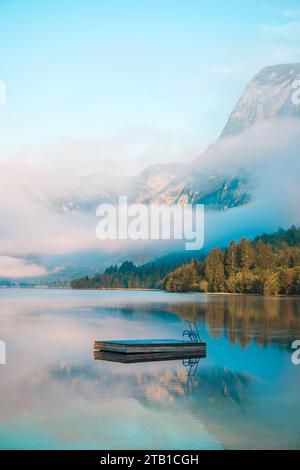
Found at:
(192, 333)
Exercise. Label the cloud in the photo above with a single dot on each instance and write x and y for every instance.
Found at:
(279, 42)
(291, 13)
(16, 267)
(32, 227)
(123, 153)
(287, 32)
(285, 13)
(270, 154)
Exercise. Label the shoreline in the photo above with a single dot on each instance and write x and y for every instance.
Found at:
(138, 289)
(184, 293)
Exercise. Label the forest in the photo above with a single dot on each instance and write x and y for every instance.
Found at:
(126, 276)
(268, 265)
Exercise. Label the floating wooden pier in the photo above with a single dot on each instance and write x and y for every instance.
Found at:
(147, 357)
(147, 350)
(151, 346)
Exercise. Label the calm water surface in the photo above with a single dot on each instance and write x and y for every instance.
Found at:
(53, 394)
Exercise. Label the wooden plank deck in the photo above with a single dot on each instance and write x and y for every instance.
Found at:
(150, 346)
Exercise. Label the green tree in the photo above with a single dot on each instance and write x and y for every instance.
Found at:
(183, 279)
(203, 286)
(272, 285)
(286, 281)
(231, 261)
(296, 283)
(231, 284)
(242, 282)
(264, 258)
(245, 254)
(215, 271)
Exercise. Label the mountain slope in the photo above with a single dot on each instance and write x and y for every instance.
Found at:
(269, 95)
(273, 94)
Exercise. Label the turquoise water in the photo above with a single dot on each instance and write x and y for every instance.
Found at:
(55, 395)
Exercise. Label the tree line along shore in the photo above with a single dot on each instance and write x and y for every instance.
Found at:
(268, 265)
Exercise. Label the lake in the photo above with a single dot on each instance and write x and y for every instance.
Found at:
(55, 395)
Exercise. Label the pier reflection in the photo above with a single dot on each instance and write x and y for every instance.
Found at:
(146, 357)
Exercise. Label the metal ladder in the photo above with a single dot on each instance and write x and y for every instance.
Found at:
(192, 334)
(192, 365)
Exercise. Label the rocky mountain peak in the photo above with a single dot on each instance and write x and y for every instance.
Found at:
(272, 94)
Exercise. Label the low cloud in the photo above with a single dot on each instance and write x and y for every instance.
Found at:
(16, 267)
(270, 154)
(32, 227)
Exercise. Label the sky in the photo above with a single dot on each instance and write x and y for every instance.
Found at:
(121, 84)
(110, 87)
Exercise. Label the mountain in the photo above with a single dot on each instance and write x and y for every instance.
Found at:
(269, 95)
(255, 159)
(188, 185)
(273, 94)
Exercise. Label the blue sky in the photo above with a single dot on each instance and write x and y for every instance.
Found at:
(154, 80)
